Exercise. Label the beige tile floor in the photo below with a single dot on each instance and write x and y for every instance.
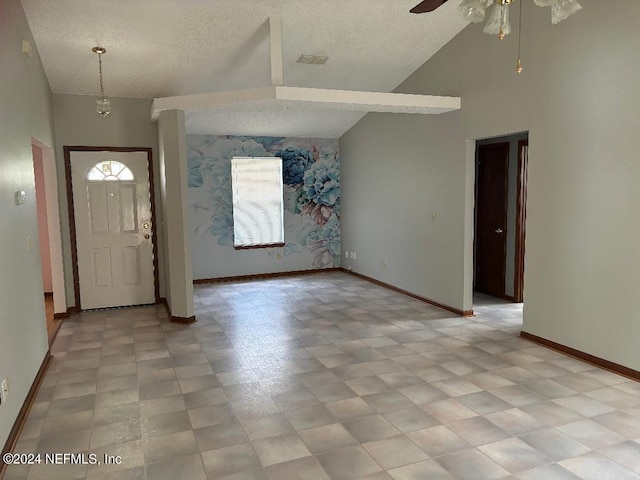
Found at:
(325, 376)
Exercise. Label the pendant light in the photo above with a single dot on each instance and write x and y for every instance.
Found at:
(103, 104)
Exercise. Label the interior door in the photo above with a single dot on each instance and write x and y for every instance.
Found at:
(491, 218)
(112, 209)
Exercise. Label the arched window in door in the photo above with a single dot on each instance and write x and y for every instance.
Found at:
(110, 170)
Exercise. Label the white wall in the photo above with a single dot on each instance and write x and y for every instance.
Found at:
(43, 225)
(578, 98)
(78, 124)
(25, 111)
(175, 214)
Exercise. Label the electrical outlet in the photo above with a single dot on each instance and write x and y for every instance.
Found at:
(4, 389)
(354, 255)
(434, 216)
(346, 254)
(384, 264)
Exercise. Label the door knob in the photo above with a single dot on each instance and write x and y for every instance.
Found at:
(499, 230)
(146, 236)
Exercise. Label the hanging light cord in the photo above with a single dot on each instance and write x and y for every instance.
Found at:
(100, 68)
(519, 66)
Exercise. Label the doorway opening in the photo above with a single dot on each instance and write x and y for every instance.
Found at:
(46, 189)
(500, 216)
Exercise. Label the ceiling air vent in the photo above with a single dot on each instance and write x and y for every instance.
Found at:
(312, 59)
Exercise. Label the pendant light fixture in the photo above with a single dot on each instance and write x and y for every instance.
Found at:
(103, 104)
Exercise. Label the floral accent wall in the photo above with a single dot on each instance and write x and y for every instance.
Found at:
(311, 175)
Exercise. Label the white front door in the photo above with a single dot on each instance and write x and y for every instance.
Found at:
(112, 209)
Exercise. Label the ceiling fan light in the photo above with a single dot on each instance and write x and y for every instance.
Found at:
(498, 22)
(562, 9)
(473, 10)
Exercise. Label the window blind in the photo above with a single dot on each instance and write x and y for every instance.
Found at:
(258, 208)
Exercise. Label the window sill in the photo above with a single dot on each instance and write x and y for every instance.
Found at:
(253, 247)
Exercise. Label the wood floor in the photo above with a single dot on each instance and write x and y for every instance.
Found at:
(52, 324)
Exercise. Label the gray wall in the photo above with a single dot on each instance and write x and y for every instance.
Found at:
(25, 111)
(129, 125)
(396, 171)
(578, 98)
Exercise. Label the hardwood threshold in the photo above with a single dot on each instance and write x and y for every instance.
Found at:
(54, 334)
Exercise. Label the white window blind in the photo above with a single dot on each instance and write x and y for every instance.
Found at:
(258, 208)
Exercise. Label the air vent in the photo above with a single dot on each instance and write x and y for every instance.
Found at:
(312, 59)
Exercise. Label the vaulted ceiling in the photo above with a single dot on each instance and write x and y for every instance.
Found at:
(160, 48)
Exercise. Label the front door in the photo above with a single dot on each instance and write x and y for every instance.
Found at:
(491, 218)
(112, 209)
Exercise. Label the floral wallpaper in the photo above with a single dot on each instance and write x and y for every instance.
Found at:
(311, 175)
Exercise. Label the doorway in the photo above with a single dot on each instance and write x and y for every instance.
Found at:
(112, 222)
(50, 242)
(500, 216)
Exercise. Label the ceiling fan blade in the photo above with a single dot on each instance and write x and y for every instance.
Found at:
(427, 6)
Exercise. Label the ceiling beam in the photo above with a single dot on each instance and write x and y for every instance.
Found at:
(310, 98)
(359, 101)
(275, 44)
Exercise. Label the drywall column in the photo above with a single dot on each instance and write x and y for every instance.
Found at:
(175, 214)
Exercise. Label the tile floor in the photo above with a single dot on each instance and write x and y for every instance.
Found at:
(325, 376)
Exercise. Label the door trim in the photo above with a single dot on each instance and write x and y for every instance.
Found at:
(521, 218)
(72, 221)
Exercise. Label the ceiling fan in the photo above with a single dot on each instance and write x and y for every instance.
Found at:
(427, 6)
(498, 22)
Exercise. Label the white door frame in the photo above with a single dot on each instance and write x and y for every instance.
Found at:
(53, 225)
(72, 224)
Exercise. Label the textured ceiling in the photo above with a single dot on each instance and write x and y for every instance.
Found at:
(160, 48)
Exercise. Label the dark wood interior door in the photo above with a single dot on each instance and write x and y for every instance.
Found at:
(491, 218)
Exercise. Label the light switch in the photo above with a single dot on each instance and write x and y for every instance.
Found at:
(27, 49)
(21, 196)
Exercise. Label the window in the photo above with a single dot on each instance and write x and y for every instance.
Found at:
(258, 209)
(109, 170)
